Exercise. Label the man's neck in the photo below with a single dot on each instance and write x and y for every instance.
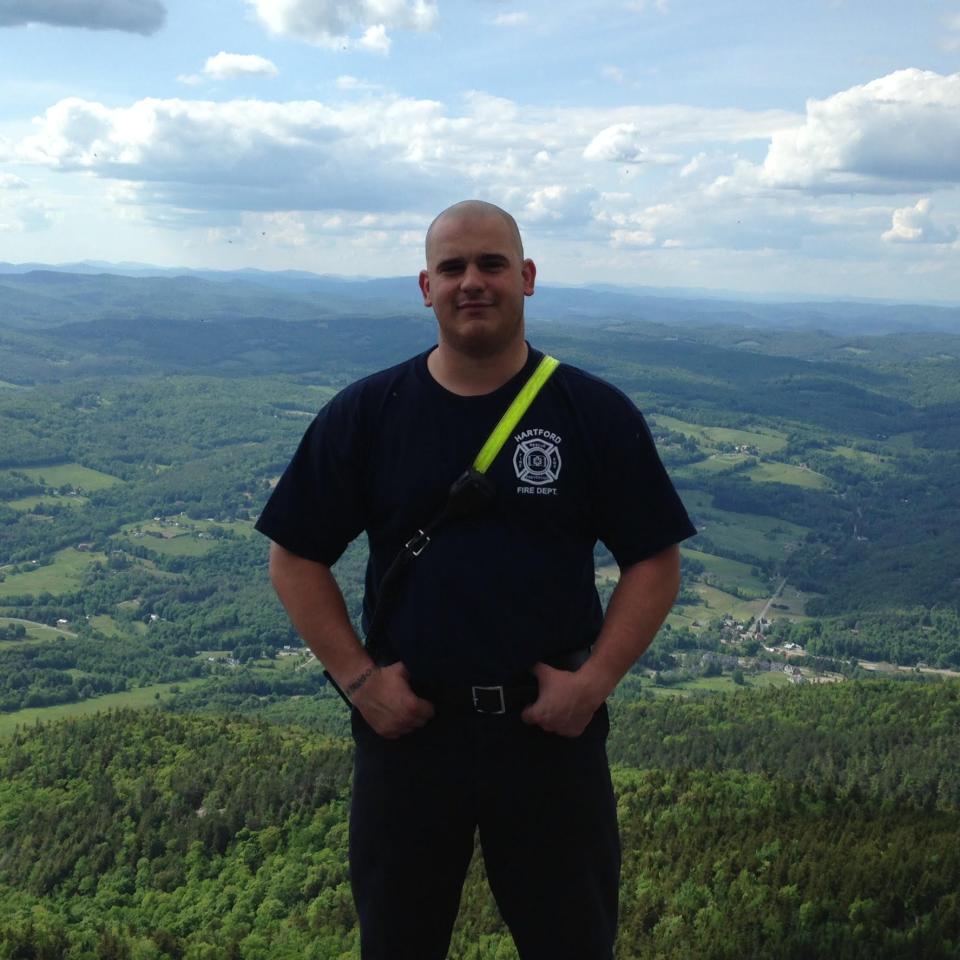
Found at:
(469, 376)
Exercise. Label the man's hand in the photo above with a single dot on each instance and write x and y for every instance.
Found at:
(389, 705)
(566, 702)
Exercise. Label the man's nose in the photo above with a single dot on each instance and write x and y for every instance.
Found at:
(471, 278)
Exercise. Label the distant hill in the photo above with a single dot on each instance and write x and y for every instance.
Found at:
(35, 295)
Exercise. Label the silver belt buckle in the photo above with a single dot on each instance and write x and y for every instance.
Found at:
(502, 708)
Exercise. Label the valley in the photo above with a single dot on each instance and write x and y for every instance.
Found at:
(787, 741)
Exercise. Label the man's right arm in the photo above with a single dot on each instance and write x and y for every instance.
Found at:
(315, 605)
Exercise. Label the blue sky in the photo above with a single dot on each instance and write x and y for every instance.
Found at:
(806, 148)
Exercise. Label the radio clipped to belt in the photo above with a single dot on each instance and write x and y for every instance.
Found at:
(468, 495)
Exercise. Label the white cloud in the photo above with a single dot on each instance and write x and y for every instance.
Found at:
(224, 66)
(915, 225)
(132, 16)
(248, 154)
(20, 212)
(333, 23)
(198, 162)
(347, 82)
(227, 66)
(623, 143)
(632, 238)
(556, 203)
(182, 163)
(888, 135)
(516, 18)
(694, 165)
(697, 219)
(645, 6)
(375, 40)
(10, 181)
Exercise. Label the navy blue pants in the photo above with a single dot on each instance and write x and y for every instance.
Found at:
(546, 816)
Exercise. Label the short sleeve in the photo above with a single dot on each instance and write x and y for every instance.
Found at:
(316, 508)
(638, 511)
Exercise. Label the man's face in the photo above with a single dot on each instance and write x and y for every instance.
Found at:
(475, 281)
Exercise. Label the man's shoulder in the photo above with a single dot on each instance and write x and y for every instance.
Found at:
(375, 386)
(588, 388)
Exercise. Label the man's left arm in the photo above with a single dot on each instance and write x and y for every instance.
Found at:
(638, 606)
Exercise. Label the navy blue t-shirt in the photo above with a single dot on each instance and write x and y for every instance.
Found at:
(494, 593)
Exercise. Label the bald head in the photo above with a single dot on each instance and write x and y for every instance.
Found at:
(479, 209)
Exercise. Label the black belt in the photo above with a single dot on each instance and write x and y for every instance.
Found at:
(488, 699)
(494, 699)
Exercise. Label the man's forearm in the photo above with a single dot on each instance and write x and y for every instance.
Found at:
(566, 701)
(637, 608)
(315, 605)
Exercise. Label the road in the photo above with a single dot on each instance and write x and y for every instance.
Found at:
(766, 608)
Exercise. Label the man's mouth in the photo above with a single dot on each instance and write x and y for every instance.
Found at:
(474, 304)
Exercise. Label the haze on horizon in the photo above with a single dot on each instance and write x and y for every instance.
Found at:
(755, 147)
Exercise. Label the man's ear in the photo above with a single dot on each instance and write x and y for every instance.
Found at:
(425, 288)
(529, 273)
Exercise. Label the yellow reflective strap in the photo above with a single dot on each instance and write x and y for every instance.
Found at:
(496, 440)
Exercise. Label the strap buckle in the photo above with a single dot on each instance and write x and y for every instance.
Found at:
(417, 543)
(489, 700)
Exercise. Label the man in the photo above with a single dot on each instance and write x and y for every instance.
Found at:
(481, 707)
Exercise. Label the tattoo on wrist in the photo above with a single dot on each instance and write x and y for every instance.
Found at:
(351, 688)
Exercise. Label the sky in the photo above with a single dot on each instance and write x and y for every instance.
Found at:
(766, 147)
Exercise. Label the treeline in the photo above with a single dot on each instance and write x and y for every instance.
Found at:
(908, 637)
(78, 668)
(221, 601)
(225, 484)
(876, 741)
(790, 823)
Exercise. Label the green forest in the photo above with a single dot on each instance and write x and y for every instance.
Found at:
(793, 822)
(173, 767)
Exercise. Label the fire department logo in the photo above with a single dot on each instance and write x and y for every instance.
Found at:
(537, 461)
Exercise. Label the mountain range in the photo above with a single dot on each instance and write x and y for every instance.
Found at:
(38, 295)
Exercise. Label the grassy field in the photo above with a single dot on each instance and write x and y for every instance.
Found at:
(46, 500)
(860, 456)
(63, 574)
(767, 538)
(137, 699)
(182, 537)
(717, 602)
(774, 472)
(766, 471)
(791, 603)
(106, 624)
(723, 573)
(730, 573)
(715, 463)
(183, 545)
(722, 684)
(36, 632)
(72, 475)
(902, 442)
(762, 443)
(766, 441)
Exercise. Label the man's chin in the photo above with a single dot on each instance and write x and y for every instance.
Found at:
(480, 342)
